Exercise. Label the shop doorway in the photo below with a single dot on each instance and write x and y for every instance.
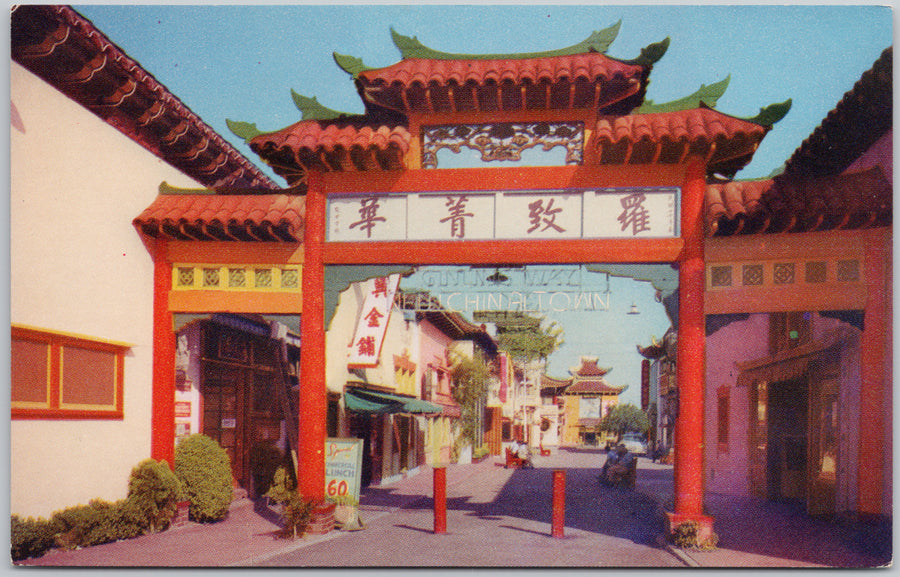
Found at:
(236, 382)
(786, 454)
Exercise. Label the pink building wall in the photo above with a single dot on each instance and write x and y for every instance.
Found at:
(729, 472)
(433, 351)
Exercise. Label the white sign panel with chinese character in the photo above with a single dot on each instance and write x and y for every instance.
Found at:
(539, 215)
(649, 212)
(631, 213)
(451, 216)
(378, 301)
(365, 218)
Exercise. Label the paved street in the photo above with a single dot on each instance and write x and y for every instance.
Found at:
(502, 517)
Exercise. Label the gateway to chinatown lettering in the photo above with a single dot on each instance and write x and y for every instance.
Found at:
(505, 215)
(526, 302)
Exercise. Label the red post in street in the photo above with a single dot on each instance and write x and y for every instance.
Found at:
(313, 394)
(691, 357)
(440, 500)
(559, 503)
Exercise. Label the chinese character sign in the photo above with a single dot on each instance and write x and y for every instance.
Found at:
(451, 216)
(378, 301)
(648, 212)
(367, 217)
(538, 215)
(631, 213)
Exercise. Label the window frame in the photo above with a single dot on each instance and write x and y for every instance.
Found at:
(723, 418)
(55, 408)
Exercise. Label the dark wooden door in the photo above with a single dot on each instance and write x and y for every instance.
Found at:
(223, 411)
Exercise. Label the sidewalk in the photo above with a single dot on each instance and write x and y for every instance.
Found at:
(755, 532)
(246, 535)
(490, 517)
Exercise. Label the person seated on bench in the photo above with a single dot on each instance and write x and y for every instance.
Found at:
(617, 472)
(521, 451)
(611, 458)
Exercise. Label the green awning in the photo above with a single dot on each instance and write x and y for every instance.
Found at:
(373, 402)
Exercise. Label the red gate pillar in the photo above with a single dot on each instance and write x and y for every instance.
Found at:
(313, 403)
(691, 357)
(162, 420)
(875, 377)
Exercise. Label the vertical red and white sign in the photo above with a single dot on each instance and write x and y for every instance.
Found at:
(372, 323)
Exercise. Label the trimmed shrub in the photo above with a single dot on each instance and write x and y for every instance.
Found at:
(96, 523)
(154, 492)
(204, 470)
(295, 510)
(31, 537)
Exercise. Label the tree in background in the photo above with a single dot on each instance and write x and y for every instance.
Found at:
(525, 337)
(625, 418)
(471, 380)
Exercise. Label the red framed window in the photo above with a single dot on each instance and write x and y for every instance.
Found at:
(60, 376)
(722, 395)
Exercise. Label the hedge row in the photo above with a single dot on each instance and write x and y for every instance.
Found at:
(202, 475)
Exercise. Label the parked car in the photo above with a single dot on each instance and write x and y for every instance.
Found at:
(635, 443)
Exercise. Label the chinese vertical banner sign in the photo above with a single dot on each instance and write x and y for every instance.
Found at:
(373, 318)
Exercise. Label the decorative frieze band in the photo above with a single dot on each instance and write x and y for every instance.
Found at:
(722, 276)
(231, 277)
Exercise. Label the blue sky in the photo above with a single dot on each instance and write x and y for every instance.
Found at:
(241, 62)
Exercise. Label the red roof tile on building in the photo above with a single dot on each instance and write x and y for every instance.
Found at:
(331, 147)
(862, 116)
(588, 368)
(265, 217)
(593, 386)
(554, 82)
(591, 66)
(67, 51)
(849, 201)
(311, 135)
(668, 137)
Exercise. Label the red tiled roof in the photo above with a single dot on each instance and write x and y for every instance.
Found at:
(591, 65)
(854, 200)
(314, 145)
(311, 135)
(588, 368)
(553, 82)
(67, 51)
(592, 386)
(668, 137)
(265, 217)
(862, 116)
(550, 382)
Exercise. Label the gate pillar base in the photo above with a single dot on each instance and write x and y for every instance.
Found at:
(705, 537)
(322, 519)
